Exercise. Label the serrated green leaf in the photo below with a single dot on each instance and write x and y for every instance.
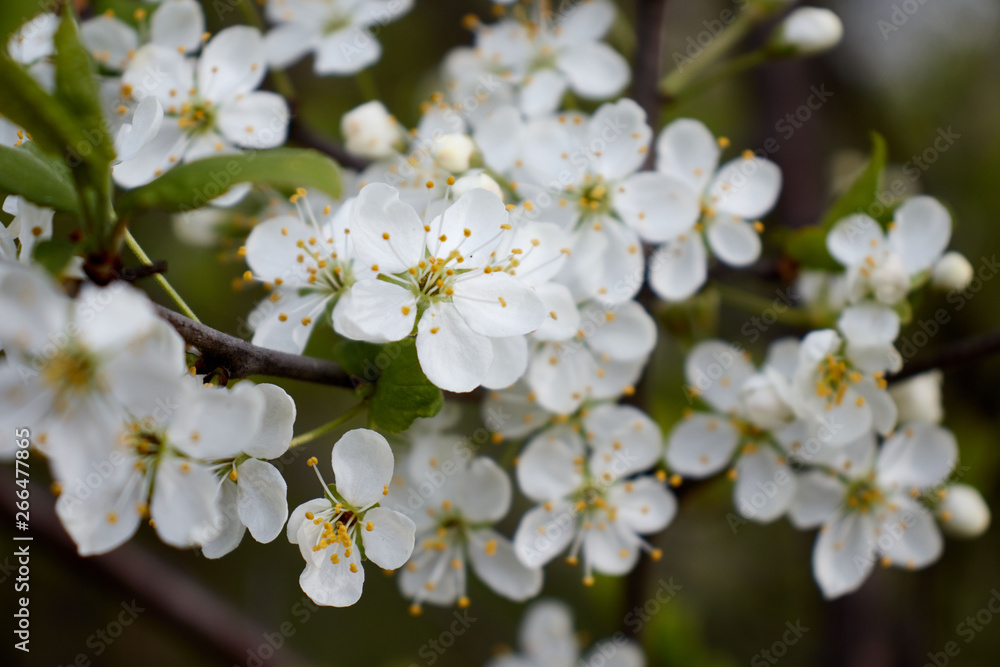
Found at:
(38, 178)
(402, 393)
(808, 245)
(192, 185)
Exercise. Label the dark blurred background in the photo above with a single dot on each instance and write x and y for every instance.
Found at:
(910, 69)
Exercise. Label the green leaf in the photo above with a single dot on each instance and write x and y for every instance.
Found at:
(808, 245)
(76, 88)
(42, 180)
(402, 393)
(192, 185)
(864, 191)
(15, 14)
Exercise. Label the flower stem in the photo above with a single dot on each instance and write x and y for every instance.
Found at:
(164, 283)
(753, 303)
(319, 431)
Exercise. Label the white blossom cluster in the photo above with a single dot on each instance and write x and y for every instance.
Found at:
(509, 237)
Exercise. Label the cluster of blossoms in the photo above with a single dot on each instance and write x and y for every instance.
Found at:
(129, 434)
(508, 238)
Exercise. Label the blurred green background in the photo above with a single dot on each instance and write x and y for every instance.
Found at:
(739, 587)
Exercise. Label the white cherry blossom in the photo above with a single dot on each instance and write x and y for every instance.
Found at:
(333, 531)
(455, 502)
(732, 197)
(341, 33)
(589, 502)
(441, 279)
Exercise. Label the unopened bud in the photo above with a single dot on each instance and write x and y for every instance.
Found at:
(952, 271)
(808, 31)
(370, 131)
(963, 513)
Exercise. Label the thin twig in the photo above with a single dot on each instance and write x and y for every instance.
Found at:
(305, 135)
(957, 354)
(242, 359)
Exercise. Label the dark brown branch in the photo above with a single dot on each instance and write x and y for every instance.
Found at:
(241, 359)
(305, 135)
(958, 354)
(185, 603)
(649, 26)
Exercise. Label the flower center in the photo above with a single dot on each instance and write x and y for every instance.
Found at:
(835, 377)
(71, 370)
(863, 496)
(594, 198)
(196, 118)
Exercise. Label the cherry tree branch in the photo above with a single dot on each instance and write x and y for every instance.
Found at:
(181, 601)
(649, 26)
(957, 354)
(242, 359)
(305, 135)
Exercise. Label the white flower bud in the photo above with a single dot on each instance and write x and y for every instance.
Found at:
(890, 282)
(963, 513)
(477, 179)
(810, 30)
(919, 398)
(952, 271)
(763, 405)
(453, 152)
(370, 130)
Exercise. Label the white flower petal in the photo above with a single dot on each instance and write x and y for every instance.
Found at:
(262, 501)
(618, 136)
(178, 24)
(679, 268)
(547, 467)
(701, 445)
(378, 213)
(644, 504)
(334, 584)
(716, 372)
(919, 455)
(844, 554)
(185, 505)
(913, 538)
(255, 120)
(232, 529)
(390, 541)
(595, 70)
(853, 238)
(734, 241)
(362, 463)
(765, 486)
(658, 207)
(500, 569)
(510, 361)
(687, 151)
(611, 550)
(380, 310)
(745, 187)
(544, 534)
(623, 440)
(346, 51)
(921, 233)
(232, 63)
(472, 226)
(452, 355)
(288, 42)
(818, 496)
(542, 92)
(277, 421)
(482, 492)
(498, 305)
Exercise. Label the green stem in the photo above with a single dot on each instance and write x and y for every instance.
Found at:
(728, 69)
(366, 83)
(753, 303)
(164, 283)
(309, 436)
